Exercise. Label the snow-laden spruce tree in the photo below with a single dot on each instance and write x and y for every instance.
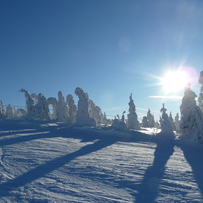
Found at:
(177, 123)
(98, 115)
(60, 109)
(9, 112)
(84, 112)
(72, 108)
(63, 109)
(166, 128)
(36, 106)
(133, 122)
(172, 122)
(42, 107)
(145, 122)
(105, 120)
(200, 98)
(191, 125)
(2, 110)
(150, 118)
(29, 105)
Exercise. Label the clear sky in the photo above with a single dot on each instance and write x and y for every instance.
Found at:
(109, 48)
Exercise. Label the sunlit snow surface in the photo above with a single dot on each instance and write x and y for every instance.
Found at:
(52, 162)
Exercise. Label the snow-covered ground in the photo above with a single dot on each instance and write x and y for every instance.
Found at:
(53, 162)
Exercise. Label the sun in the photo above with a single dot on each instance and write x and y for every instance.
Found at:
(174, 81)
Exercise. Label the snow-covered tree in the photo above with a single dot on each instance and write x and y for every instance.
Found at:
(177, 123)
(72, 108)
(42, 108)
(200, 98)
(2, 110)
(118, 125)
(29, 105)
(64, 115)
(145, 122)
(123, 117)
(166, 128)
(36, 106)
(84, 112)
(150, 118)
(60, 109)
(191, 126)
(172, 121)
(9, 112)
(105, 120)
(133, 122)
(97, 114)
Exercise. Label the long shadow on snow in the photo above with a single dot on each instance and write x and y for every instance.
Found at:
(149, 187)
(147, 190)
(85, 134)
(102, 140)
(50, 166)
(193, 155)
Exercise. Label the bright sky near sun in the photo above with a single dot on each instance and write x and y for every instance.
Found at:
(109, 48)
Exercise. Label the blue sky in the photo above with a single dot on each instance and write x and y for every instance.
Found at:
(109, 48)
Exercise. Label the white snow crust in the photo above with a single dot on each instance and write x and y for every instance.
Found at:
(43, 161)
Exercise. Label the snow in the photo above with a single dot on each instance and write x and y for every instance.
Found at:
(44, 161)
(191, 126)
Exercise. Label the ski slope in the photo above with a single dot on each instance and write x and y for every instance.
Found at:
(53, 162)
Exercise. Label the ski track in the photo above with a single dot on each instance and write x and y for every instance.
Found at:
(38, 165)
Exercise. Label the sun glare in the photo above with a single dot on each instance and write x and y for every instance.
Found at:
(174, 81)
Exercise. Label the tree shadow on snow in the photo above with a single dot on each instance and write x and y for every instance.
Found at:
(49, 166)
(149, 187)
(193, 155)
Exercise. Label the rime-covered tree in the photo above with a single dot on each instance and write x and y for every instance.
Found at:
(172, 121)
(36, 106)
(191, 126)
(9, 112)
(145, 122)
(133, 122)
(123, 117)
(200, 98)
(166, 128)
(84, 112)
(119, 125)
(150, 118)
(29, 105)
(72, 108)
(2, 110)
(105, 120)
(42, 108)
(177, 123)
(97, 114)
(64, 115)
(60, 109)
